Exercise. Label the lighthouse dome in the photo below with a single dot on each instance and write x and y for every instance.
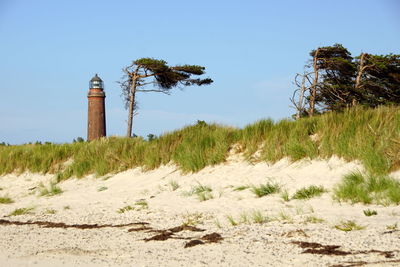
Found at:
(96, 82)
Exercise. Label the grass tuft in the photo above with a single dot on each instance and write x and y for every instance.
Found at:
(244, 218)
(203, 192)
(200, 189)
(313, 219)
(285, 196)
(259, 217)
(241, 188)
(265, 189)
(204, 196)
(193, 219)
(356, 187)
(231, 220)
(125, 209)
(21, 211)
(174, 185)
(348, 226)
(309, 192)
(283, 216)
(52, 190)
(102, 188)
(142, 204)
(392, 227)
(369, 212)
(6, 200)
(50, 211)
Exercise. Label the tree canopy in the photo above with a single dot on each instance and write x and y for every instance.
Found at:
(154, 75)
(335, 80)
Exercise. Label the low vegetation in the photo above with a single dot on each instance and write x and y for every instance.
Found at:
(368, 189)
(193, 219)
(50, 190)
(369, 212)
(174, 185)
(125, 209)
(241, 188)
(284, 216)
(50, 211)
(368, 135)
(313, 219)
(285, 196)
(102, 188)
(348, 226)
(142, 204)
(232, 220)
(265, 189)
(21, 211)
(138, 205)
(259, 217)
(6, 200)
(392, 227)
(203, 192)
(309, 192)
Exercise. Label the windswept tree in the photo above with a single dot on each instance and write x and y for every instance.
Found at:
(378, 78)
(334, 80)
(333, 86)
(153, 75)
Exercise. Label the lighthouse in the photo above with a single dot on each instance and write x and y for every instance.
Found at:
(96, 109)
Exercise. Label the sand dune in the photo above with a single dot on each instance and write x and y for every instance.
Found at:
(82, 225)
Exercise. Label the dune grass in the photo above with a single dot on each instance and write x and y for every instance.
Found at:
(125, 209)
(368, 135)
(348, 226)
(50, 190)
(313, 219)
(241, 188)
(369, 212)
(368, 189)
(21, 211)
(6, 200)
(203, 192)
(309, 192)
(266, 189)
(174, 185)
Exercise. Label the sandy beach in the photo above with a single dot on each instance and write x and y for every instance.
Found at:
(153, 218)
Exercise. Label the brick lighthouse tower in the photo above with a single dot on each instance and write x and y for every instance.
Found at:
(96, 109)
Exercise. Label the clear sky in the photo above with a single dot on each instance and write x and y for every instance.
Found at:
(50, 49)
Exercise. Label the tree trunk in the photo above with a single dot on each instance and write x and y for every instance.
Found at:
(131, 107)
(314, 85)
(301, 96)
(360, 72)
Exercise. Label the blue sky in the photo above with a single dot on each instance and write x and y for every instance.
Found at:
(251, 49)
